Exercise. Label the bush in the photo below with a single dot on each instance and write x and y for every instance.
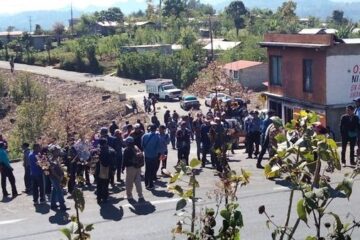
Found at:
(23, 89)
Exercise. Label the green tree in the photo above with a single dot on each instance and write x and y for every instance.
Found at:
(113, 14)
(86, 25)
(10, 28)
(236, 10)
(174, 8)
(27, 44)
(187, 37)
(38, 30)
(338, 18)
(58, 29)
(150, 10)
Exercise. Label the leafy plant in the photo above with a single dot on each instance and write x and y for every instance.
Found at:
(300, 159)
(77, 230)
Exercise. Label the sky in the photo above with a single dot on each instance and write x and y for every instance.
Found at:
(14, 6)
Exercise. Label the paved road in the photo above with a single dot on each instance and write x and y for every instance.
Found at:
(19, 219)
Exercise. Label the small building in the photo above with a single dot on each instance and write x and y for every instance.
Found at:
(38, 41)
(250, 74)
(106, 28)
(6, 37)
(316, 72)
(162, 48)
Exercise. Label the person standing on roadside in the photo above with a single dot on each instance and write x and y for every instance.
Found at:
(56, 176)
(26, 164)
(36, 175)
(164, 142)
(349, 128)
(167, 117)
(12, 64)
(196, 125)
(6, 172)
(133, 172)
(118, 146)
(151, 148)
(183, 142)
(172, 128)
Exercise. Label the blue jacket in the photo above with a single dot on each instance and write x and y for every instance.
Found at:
(4, 159)
(35, 170)
(151, 145)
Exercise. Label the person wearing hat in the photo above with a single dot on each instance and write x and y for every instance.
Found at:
(183, 142)
(6, 172)
(151, 145)
(270, 142)
(349, 129)
(133, 172)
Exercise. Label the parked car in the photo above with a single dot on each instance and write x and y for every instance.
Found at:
(189, 102)
(220, 96)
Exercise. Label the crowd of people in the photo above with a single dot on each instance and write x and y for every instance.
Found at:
(114, 150)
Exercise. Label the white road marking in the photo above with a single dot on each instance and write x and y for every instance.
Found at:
(280, 188)
(156, 202)
(12, 221)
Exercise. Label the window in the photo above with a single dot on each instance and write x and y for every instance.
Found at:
(276, 107)
(307, 75)
(275, 70)
(236, 74)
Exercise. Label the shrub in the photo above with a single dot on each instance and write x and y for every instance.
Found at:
(23, 89)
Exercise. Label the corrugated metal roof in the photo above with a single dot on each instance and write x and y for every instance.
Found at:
(221, 45)
(351, 40)
(318, 31)
(108, 24)
(241, 64)
(13, 33)
(287, 44)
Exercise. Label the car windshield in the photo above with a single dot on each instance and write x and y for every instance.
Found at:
(169, 87)
(190, 98)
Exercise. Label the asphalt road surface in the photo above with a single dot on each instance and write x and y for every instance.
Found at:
(155, 218)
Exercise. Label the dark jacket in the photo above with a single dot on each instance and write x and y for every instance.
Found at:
(183, 138)
(349, 125)
(129, 156)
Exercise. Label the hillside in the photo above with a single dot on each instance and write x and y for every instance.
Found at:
(318, 8)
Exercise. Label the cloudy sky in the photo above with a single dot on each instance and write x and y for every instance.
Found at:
(13, 6)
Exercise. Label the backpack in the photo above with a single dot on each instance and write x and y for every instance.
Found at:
(139, 159)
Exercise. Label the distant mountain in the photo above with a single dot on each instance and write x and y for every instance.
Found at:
(47, 18)
(317, 8)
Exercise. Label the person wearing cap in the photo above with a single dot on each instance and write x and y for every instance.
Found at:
(6, 172)
(133, 172)
(164, 142)
(151, 145)
(349, 128)
(137, 135)
(183, 142)
(270, 142)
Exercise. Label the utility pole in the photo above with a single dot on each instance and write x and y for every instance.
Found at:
(30, 25)
(211, 39)
(160, 12)
(71, 20)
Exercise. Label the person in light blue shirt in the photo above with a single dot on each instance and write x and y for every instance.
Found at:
(151, 147)
(6, 172)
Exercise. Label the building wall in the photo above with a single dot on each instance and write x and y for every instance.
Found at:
(292, 74)
(253, 77)
(343, 73)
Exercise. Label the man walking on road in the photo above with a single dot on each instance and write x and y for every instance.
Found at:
(151, 147)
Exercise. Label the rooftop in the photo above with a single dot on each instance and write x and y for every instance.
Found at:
(221, 45)
(318, 31)
(242, 64)
(108, 24)
(13, 33)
